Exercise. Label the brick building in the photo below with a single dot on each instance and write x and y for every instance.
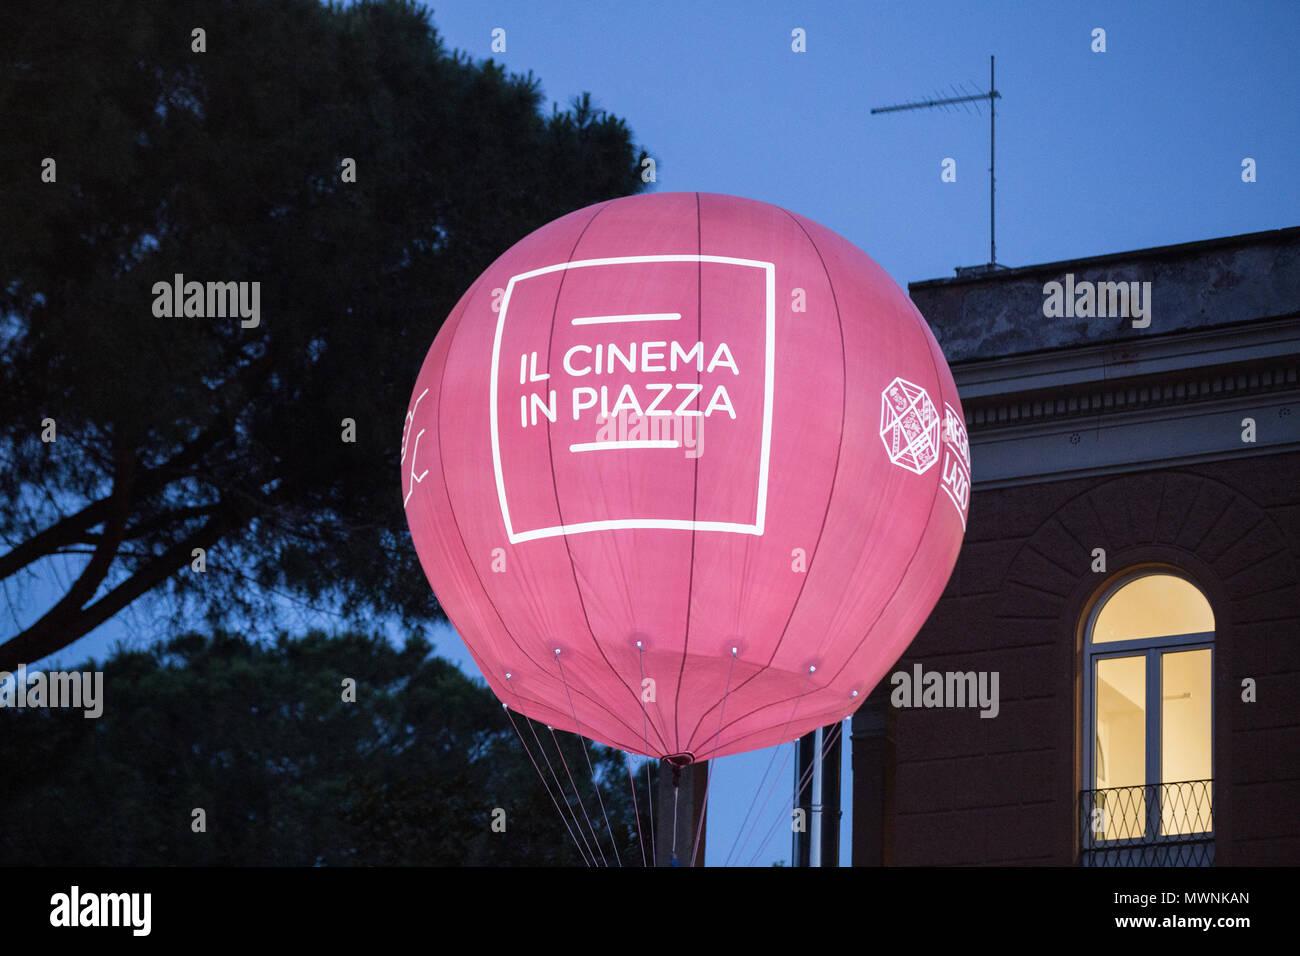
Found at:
(1131, 572)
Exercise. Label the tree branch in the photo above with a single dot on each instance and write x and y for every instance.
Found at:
(165, 518)
(118, 510)
(71, 529)
(33, 644)
(67, 530)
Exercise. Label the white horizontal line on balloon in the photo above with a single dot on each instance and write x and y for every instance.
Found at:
(633, 317)
(620, 524)
(613, 445)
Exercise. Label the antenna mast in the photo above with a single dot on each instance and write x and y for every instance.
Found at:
(991, 96)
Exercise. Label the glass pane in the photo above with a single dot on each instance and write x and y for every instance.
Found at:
(1120, 760)
(1155, 605)
(1185, 741)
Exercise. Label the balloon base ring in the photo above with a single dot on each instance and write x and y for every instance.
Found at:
(678, 762)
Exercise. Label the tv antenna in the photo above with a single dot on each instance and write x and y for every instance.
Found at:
(974, 98)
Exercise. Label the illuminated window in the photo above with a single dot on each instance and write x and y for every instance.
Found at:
(1148, 728)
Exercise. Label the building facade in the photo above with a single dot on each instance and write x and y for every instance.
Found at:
(1129, 585)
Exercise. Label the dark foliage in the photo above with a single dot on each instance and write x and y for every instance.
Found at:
(288, 774)
(224, 166)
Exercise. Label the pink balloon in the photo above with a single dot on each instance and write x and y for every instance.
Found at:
(705, 449)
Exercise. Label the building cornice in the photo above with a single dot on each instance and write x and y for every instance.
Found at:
(1170, 370)
(1170, 399)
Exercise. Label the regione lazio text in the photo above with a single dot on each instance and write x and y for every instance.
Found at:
(687, 473)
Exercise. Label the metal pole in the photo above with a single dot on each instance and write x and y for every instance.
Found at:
(993, 251)
(679, 804)
(815, 823)
(831, 815)
(991, 95)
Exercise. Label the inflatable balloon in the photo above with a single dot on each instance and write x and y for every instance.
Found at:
(687, 472)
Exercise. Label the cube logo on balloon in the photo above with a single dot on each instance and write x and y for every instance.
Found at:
(684, 606)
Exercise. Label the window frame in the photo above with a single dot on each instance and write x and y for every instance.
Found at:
(1151, 649)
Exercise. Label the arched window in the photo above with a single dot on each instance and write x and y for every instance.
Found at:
(1148, 754)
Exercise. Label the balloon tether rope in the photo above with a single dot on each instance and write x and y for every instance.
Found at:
(677, 777)
(804, 779)
(586, 754)
(645, 736)
(636, 810)
(563, 818)
(559, 787)
(717, 742)
(763, 780)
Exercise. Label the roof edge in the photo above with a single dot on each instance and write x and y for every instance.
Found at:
(1153, 252)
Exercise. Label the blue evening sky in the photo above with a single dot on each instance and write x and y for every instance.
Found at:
(1096, 152)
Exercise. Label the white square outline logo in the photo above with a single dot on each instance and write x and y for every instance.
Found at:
(756, 528)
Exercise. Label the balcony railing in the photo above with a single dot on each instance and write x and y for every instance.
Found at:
(1158, 824)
